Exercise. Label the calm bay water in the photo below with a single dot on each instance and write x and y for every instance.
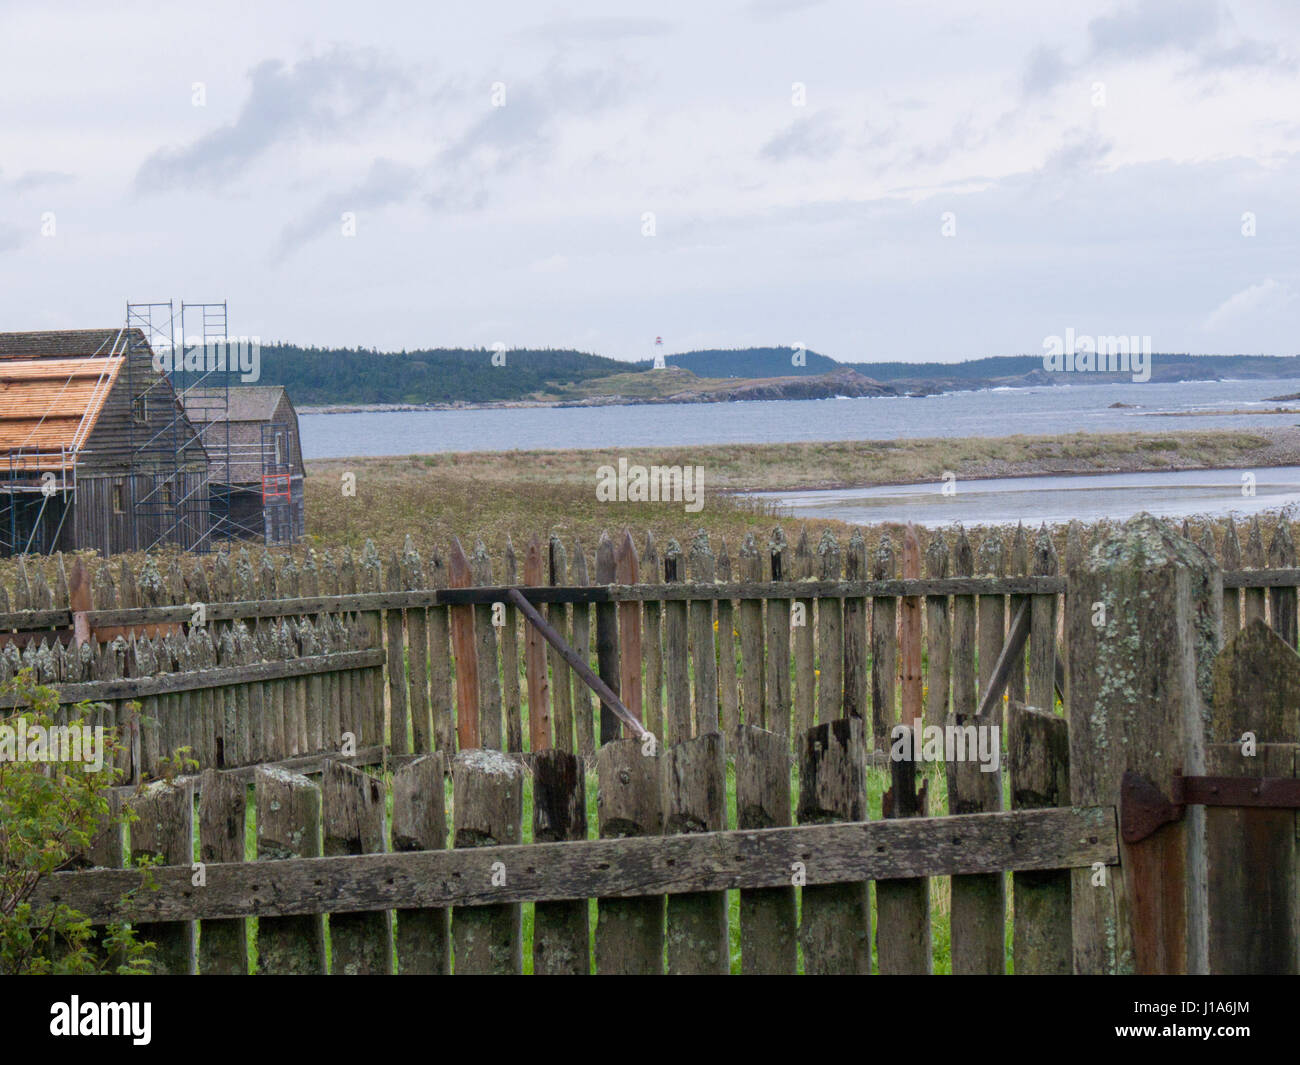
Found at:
(1000, 412)
(1054, 500)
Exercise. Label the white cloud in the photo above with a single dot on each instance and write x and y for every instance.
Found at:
(1250, 304)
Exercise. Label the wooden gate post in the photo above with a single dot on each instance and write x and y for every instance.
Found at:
(1254, 916)
(1143, 617)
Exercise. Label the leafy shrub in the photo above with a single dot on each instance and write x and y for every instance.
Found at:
(51, 814)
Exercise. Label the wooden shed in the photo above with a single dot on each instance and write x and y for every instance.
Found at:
(255, 459)
(95, 449)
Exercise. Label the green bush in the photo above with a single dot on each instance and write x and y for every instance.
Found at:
(51, 815)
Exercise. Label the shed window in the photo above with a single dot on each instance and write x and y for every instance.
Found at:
(279, 449)
(118, 508)
(140, 410)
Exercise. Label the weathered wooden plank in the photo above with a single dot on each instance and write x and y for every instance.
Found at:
(653, 649)
(802, 632)
(607, 651)
(354, 820)
(884, 650)
(938, 636)
(223, 806)
(768, 927)
(463, 652)
(399, 726)
(539, 685)
(601, 592)
(491, 733)
(257, 672)
(417, 644)
(629, 931)
(830, 635)
(164, 830)
(978, 907)
(372, 717)
(777, 664)
(704, 656)
(1038, 754)
(288, 826)
(1042, 639)
(510, 664)
(440, 705)
(1254, 596)
(561, 683)
(583, 708)
(1019, 564)
(420, 824)
(903, 906)
(613, 868)
(695, 794)
(1142, 676)
(1254, 904)
(752, 695)
(561, 933)
(487, 811)
(629, 629)
(1231, 554)
(728, 674)
(677, 722)
(857, 684)
(1282, 599)
(835, 931)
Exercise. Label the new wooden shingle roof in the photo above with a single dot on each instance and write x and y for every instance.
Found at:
(48, 404)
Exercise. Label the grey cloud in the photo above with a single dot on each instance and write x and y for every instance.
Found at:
(811, 137)
(1152, 25)
(10, 237)
(777, 8)
(598, 28)
(961, 138)
(1045, 70)
(39, 179)
(316, 97)
(524, 130)
(1246, 55)
(386, 183)
(1080, 151)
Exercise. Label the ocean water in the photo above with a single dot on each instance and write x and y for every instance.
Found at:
(1055, 500)
(995, 412)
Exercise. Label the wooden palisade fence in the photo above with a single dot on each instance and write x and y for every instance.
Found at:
(794, 654)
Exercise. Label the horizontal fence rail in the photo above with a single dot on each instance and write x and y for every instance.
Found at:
(612, 868)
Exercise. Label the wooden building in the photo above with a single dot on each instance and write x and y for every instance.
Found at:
(96, 451)
(255, 459)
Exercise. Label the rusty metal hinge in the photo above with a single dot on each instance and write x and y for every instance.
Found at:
(1143, 807)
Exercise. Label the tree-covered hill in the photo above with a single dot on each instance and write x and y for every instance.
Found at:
(438, 375)
(750, 362)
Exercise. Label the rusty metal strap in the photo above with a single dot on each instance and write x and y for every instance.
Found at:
(1144, 808)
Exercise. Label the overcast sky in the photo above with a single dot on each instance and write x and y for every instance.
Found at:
(801, 161)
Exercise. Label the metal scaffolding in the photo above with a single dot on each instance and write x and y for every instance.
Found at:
(190, 334)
